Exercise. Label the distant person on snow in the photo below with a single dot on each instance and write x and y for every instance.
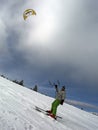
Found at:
(60, 97)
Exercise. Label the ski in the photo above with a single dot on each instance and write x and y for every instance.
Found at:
(45, 112)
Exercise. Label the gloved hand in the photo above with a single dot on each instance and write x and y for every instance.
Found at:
(62, 101)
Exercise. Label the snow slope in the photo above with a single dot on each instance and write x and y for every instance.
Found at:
(17, 111)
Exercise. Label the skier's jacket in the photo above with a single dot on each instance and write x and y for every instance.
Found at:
(60, 95)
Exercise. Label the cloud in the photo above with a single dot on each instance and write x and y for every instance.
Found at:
(81, 104)
(3, 36)
(60, 42)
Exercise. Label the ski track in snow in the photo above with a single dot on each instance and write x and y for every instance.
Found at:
(17, 111)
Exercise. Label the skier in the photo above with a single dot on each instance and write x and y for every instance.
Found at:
(60, 97)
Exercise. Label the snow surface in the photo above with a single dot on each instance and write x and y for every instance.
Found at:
(17, 111)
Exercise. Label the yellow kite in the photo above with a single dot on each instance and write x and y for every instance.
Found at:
(28, 12)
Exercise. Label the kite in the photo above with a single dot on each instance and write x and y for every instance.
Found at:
(28, 12)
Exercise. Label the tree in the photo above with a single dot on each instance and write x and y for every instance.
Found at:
(35, 88)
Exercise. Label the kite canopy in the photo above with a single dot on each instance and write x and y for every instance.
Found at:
(28, 12)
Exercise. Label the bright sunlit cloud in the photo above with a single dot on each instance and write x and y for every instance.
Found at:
(43, 31)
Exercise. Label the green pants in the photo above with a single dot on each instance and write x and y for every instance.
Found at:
(54, 106)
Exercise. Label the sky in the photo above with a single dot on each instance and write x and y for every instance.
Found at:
(59, 43)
